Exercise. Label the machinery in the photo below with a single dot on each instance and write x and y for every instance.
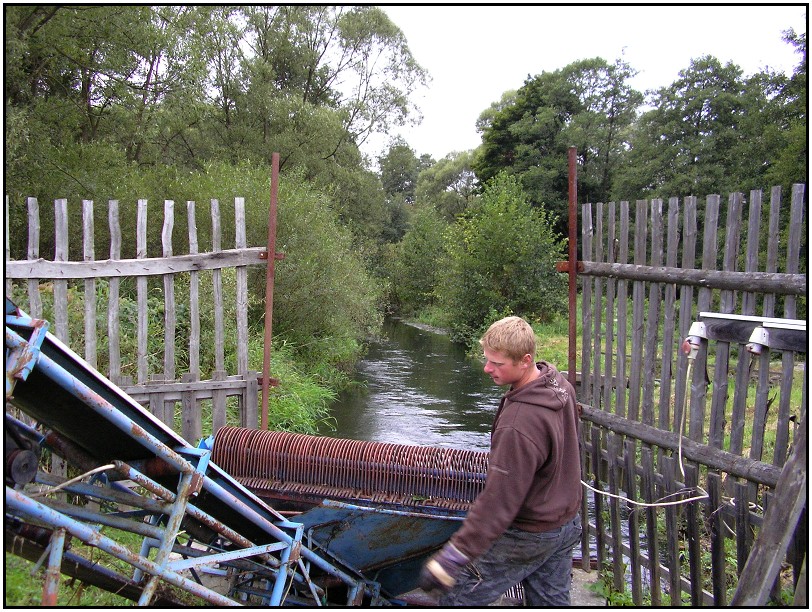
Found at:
(280, 519)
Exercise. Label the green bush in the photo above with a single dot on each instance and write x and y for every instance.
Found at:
(501, 259)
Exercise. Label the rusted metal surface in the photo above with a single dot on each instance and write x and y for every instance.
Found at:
(317, 466)
(572, 267)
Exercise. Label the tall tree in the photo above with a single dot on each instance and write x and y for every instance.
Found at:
(682, 146)
(449, 186)
(588, 103)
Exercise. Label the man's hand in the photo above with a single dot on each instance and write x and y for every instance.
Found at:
(442, 570)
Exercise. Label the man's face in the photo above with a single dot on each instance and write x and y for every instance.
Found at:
(502, 368)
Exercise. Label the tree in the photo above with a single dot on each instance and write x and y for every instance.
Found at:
(399, 169)
(588, 104)
(684, 145)
(448, 185)
(417, 260)
(501, 257)
(788, 165)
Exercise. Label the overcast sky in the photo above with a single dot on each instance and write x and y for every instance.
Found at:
(475, 53)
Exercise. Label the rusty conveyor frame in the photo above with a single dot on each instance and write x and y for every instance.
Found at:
(103, 432)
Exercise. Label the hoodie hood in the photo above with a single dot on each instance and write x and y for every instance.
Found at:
(547, 390)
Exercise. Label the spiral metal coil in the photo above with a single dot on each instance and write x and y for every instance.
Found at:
(267, 461)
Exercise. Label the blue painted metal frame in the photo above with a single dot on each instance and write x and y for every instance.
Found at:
(55, 386)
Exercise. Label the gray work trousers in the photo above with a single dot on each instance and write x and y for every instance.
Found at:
(541, 562)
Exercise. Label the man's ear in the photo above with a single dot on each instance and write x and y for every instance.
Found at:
(527, 359)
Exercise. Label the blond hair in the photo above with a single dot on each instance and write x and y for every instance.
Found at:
(511, 336)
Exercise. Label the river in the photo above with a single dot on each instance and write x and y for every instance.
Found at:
(415, 386)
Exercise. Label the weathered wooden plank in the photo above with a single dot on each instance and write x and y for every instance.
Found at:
(635, 562)
(242, 291)
(622, 312)
(597, 499)
(669, 319)
(796, 224)
(618, 573)
(653, 315)
(191, 422)
(717, 540)
(693, 531)
(761, 282)
(739, 406)
(585, 549)
(61, 329)
(671, 533)
(783, 423)
(686, 316)
(90, 284)
(787, 358)
(175, 388)
(113, 311)
(773, 240)
(743, 467)
(597, 308)
(34, 297)
(587, 231)
(652, 544)
(726, 305)
(609, 335)
(218, 403)
(158, 404)
(761, 406)
(217, 282)
(699, 383)
(147, 266)
(170, 319)
(141, 291)
(194, 296)
(744, 531)
(780, 520)
(251, 402)
(638, 310)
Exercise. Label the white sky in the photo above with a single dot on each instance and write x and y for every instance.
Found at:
(475, 53)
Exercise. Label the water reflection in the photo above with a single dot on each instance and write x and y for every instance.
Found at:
(417, 388)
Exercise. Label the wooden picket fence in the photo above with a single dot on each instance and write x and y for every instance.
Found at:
(173, 388)
(740, 430)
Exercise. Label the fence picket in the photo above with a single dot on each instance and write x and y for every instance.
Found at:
(587, 231)
(88, 240)
(217, 282)
(61, 286)
(141, 292)
(638, 310)
(599, 377)
(194, 296)
(113, 311)
(170, 318)
(34, 297)
(649, 369)
(622, 300)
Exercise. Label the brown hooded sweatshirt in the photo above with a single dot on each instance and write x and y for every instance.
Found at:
(534, 467)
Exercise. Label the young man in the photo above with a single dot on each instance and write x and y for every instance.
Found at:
(523, 525)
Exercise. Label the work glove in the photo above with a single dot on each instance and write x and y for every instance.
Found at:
(442, 570)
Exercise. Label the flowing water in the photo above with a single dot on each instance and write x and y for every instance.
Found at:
(417, 387)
